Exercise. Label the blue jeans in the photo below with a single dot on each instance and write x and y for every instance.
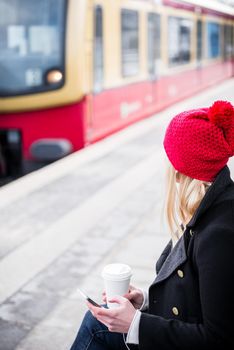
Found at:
(93, 335)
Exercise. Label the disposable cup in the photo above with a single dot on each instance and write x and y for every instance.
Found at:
(116, 281)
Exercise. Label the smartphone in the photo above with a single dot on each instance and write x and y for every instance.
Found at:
(91, 301)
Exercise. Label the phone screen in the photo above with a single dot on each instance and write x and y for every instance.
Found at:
(91, 301)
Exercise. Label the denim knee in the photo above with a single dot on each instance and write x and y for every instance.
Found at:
(95, 335)
(92, 324)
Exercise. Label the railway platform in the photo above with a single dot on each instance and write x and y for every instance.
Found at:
(61, 224)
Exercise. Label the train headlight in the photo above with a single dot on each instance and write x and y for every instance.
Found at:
(54, 76)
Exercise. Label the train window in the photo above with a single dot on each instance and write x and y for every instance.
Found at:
(130, 42)
(32, 36)
(179, 40)
(213, 39)
(153, 43)
(98, 49)
(199, 40)
(227, 41)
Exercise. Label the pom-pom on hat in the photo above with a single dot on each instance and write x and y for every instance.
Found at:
(199, 142)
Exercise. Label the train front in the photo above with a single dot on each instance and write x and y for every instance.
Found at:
(42, 83)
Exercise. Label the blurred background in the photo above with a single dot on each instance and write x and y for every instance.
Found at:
(87, 88)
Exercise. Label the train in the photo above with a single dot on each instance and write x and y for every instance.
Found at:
(75, 71)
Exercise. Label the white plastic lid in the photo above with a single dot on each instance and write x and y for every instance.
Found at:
(116, 272)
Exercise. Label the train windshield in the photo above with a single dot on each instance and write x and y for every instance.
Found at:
(32, 36)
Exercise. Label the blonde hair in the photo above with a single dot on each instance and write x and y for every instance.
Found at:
(183, 197)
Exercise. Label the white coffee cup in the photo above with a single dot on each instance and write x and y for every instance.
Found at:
(116, 280)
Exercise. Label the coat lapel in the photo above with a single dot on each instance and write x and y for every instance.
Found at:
(163, 256)
(173, 260)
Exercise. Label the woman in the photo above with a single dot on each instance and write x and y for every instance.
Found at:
(190, 305)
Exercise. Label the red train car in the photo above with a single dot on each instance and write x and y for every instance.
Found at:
(73, 72)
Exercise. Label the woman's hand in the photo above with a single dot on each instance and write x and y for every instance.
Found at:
(134, 295)
(118, 319)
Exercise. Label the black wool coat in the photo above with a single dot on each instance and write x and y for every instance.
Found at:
(191, 301)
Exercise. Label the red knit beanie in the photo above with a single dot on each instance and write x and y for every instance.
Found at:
(199, 142)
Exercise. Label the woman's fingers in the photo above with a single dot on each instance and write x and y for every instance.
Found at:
(104, 296)
(97, 311)
(118, 319)
(131, 295)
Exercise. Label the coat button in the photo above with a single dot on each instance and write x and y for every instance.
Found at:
(175, 311)
(191, 232)
(180, 273)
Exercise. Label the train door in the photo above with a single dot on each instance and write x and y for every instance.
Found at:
(199, 50)
(153, 29)
(199, 42)
(96, 70)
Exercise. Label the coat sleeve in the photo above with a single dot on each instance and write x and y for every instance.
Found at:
(214, 259)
